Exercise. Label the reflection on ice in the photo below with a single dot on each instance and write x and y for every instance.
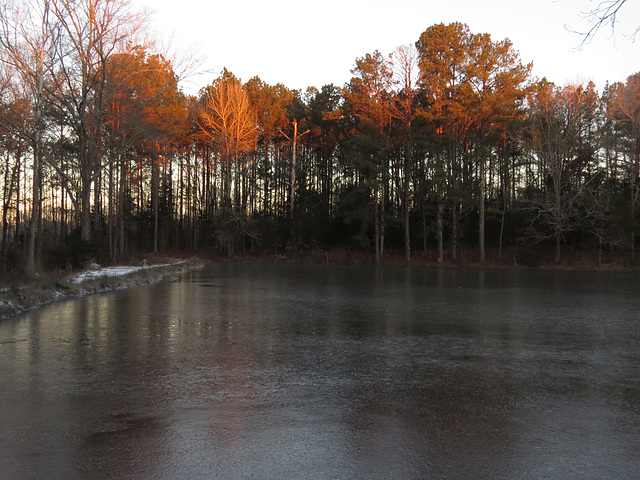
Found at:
(259, 371)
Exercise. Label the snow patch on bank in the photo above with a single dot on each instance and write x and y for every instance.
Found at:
(100, 272)
(20, 298)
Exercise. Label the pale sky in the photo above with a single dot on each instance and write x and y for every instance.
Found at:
(302, 44)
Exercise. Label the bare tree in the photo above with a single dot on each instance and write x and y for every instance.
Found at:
(624, 108)
(229, 121)
(561, 122)
(28, 39)
(604, 15)
(92, 30)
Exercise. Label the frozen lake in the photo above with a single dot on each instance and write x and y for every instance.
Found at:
(311, 372)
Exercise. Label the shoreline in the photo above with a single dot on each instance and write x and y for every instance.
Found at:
(20, 296)
(467, 258)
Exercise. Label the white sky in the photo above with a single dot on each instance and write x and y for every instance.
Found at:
(313, 43)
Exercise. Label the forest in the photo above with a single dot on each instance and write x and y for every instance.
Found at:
(443, 148)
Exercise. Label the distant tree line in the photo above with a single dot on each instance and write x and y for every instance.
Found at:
(445, 144)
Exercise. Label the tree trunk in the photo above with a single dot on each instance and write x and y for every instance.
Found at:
(505, 190)
(382, 215)
(632, 247)
(30, 267)
(439, 232)
(155, 180)
(6, 202)
(376, 219)
(454, 231)
(502, 219)
(600, 251)
(481, 213)
(18, 216)
(405, 201)
(556, 258)
(85, 216)
(481, 194)
(111, 214)
(292, 194)
(122, 226)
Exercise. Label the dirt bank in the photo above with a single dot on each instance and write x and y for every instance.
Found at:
(17, 296)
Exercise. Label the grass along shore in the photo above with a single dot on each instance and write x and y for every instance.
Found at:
(17, 296)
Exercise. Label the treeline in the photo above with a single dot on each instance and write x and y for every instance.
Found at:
(442, 145)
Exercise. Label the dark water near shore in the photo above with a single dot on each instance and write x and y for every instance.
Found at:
(289, 371)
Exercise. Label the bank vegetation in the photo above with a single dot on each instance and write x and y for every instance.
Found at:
(446, 150)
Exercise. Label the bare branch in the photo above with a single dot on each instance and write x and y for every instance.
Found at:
(605, 14)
